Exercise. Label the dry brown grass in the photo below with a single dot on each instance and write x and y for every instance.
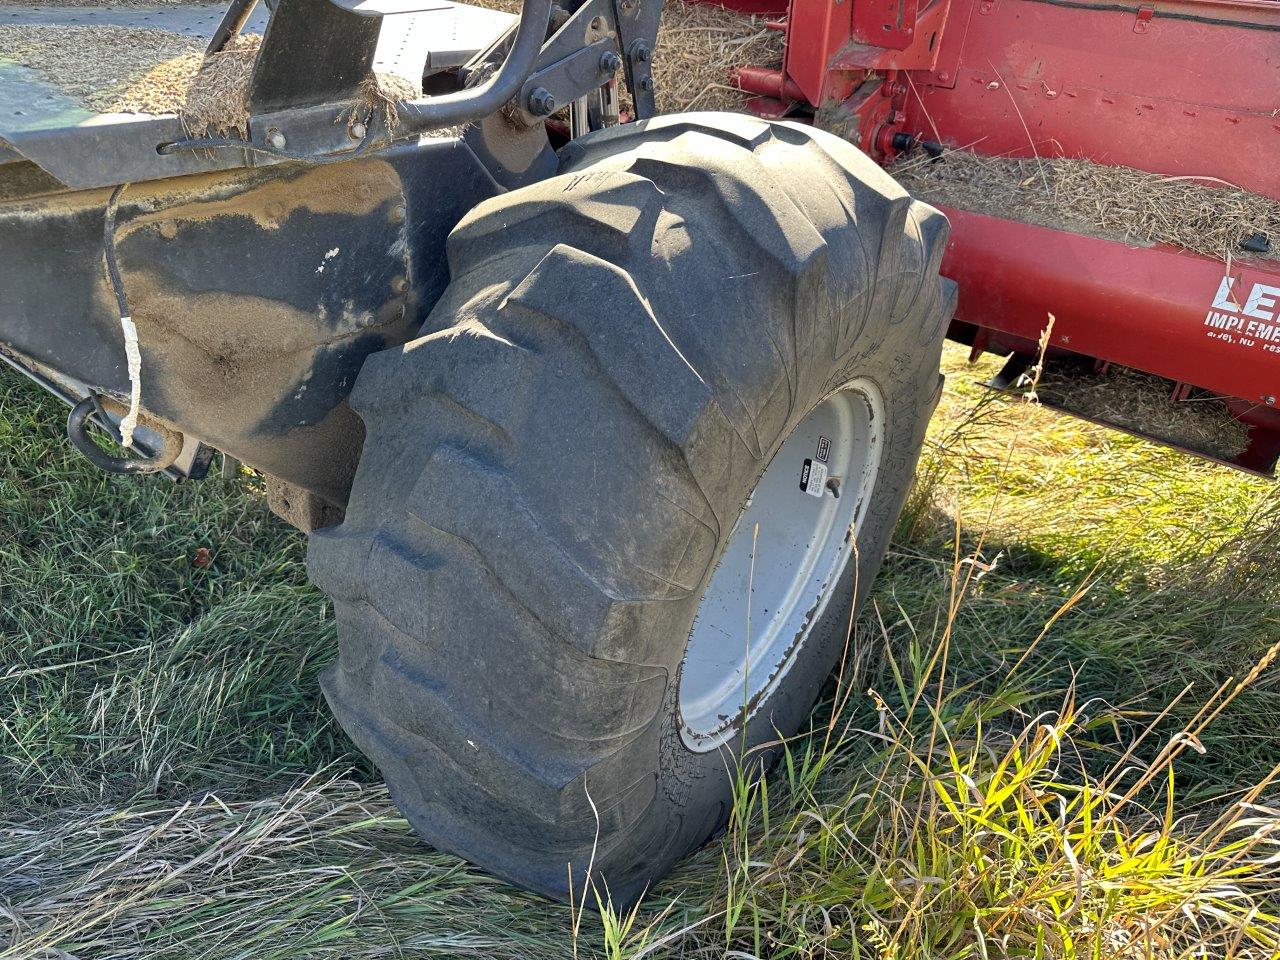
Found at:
(1118, 203)
(1143, 403)
(325, 868)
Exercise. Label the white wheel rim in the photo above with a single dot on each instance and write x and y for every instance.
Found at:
(790, 548)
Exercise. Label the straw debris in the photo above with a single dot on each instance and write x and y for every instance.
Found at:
(380, 93)
(112, 69)
(216, 98)
(697, 46)
(1115, 203)
(1143, 403)
(95, 3)
(98, 65)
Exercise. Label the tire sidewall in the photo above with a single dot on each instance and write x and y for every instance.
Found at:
(695, 789)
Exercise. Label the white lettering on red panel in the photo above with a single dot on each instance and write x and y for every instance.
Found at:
(1249, 321)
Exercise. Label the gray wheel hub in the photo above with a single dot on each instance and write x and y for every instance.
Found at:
(782, 564)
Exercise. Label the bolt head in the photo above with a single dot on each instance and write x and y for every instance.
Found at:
(641, 52)
(541, 102)
(646, 84)
(357, 131)
(610, 62)
(168, 229)
(400, 284)
(276, 140)
(398, 214)
(1271, 401)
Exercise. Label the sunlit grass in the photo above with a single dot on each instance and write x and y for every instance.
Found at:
(926, 822)
(1000, 774)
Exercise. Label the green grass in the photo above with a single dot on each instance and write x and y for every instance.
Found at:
(999, 774)
(128, 667)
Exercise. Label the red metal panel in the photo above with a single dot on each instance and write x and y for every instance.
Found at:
(885, 23)
(816, 29)
(1192, 92)
(894, 36)
(1152, 308)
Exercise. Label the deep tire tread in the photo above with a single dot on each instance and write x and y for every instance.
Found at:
(505, 661)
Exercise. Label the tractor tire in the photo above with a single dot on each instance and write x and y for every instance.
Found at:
(556, 467)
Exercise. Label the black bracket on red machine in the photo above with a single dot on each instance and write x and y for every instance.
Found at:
(317, 53)
(587, 48)
(638, 35)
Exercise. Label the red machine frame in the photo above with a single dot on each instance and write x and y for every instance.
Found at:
(1187, 88)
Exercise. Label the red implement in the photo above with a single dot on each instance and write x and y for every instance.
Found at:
(1185, 88)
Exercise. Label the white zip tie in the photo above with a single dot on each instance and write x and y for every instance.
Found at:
(134, 358)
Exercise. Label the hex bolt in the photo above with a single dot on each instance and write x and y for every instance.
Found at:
(541, 102)
(610, 62)
(646, 84)
(640, 51)
(1271, 401)
(276, 140)
(356, 131)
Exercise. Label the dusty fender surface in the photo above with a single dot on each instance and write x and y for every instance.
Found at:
(256, 294)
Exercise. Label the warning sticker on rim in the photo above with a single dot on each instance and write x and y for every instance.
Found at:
(824, 449)
(813, 478)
